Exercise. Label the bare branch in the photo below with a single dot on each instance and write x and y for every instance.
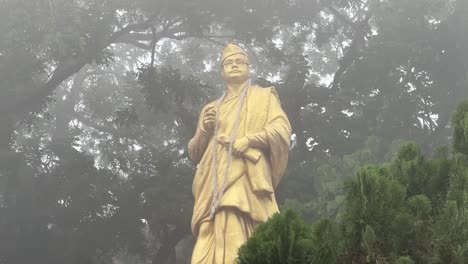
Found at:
(138, 45)
(338, 15)
(128, 29)
(216, 42)
(221, 37)
(153, 45)
(352, 53)
(67, 68)
(135, 36)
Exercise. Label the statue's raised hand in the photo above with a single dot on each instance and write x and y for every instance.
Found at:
(209, 119)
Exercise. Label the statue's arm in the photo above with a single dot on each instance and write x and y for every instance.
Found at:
(258, 140)
(277, 123)
(197, 145)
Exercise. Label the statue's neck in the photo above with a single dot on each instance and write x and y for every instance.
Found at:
(236, 88)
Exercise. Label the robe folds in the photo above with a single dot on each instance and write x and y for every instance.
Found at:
(250, 183)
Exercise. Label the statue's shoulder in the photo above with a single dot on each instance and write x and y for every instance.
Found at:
(263, 91)
(261, 88)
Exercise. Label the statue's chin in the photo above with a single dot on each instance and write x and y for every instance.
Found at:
(237, 79)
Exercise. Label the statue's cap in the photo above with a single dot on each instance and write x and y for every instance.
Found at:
(232, 49)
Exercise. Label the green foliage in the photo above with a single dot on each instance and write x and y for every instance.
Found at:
(412, 210)
(327, 177)
(451, 229)
(390, 209)
(373, 200)
(421, 176)
(451, 225)
(326, 242)
(460, 128)
(285, 238)
(404, 260)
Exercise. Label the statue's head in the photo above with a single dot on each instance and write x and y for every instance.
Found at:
(235, 64)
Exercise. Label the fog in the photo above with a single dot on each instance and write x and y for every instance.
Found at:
(99, 100)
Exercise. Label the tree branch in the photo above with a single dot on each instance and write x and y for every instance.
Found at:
(135, 36)
(351, 53)
(102, 128)
(338, 15)
(128, 29)
(65, 69)
(153, 45)
(138, 45)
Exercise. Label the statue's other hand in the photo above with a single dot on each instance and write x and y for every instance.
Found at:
(240, 146)
(209, 119)
(224, 140)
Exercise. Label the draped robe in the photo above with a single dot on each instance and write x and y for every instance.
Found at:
(250, 183)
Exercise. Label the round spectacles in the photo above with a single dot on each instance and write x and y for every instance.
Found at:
(236, 62)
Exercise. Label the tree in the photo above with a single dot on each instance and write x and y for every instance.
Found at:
(285, 238)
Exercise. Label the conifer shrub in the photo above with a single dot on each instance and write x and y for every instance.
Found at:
(412, 210)
(285, 238)
(460, 128)
(404, 260)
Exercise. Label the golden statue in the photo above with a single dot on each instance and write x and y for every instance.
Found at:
(242, 145)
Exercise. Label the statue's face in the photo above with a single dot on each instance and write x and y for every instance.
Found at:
(236, 68)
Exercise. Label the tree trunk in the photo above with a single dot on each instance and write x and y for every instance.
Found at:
(166, 253)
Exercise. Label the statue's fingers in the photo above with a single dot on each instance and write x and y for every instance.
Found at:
(238, 153)
(209, 118)
(236, 150)
(209, 121)
(210, 113)
(224, 141)
(208, 109)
